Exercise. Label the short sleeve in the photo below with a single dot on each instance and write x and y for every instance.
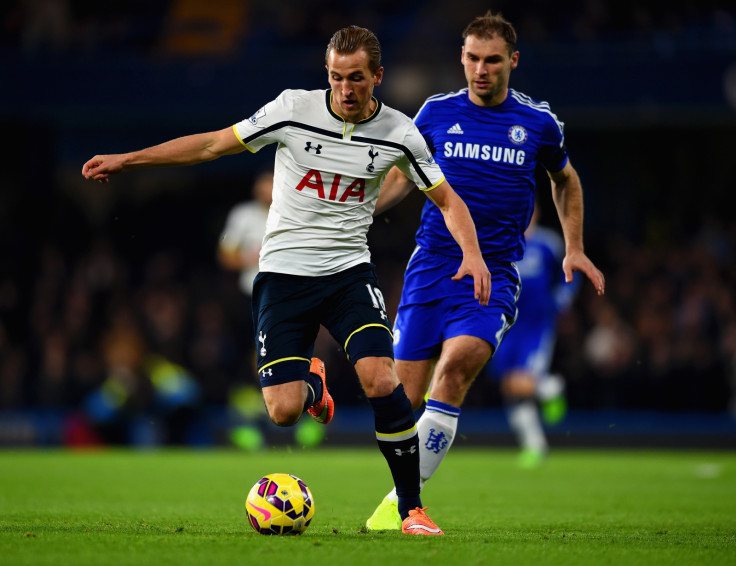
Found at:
(418, 163)
(258, 130)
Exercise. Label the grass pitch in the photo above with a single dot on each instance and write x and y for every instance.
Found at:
(186, 507)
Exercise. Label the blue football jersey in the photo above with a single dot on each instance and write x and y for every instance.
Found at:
(489, 156)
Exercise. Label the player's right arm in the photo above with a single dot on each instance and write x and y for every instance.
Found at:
(187, 150)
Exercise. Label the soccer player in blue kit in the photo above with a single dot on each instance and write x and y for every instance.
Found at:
(334, 148)
(488, 140)
(523, 364)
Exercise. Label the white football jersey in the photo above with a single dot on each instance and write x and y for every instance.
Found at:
(244, 229)
(327, 177)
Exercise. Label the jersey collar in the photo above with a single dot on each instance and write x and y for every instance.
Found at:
(328, 97)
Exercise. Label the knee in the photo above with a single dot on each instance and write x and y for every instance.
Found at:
(518, 385)
(285, 402)
(377, 376)
(415, 396)
(452, 387)
(282, 414)
(455, 380)
(284, 419)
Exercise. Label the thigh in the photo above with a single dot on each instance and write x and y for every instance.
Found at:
(355, 314)
(527, 346)
(434, 308)
(492, 322)
(286, 318)
(418, 331)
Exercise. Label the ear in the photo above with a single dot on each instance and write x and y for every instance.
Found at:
(378, 77)
(514, 59)
(462, 55)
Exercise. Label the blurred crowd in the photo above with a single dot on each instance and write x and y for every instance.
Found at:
(663, 337)
(210, 28)
(114, 306)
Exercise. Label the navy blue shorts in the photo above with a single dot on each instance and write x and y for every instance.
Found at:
(434, 308)
(289, 309)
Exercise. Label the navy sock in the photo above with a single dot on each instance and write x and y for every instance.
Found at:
(314, 389)
(396, 433)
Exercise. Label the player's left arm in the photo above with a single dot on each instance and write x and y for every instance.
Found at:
(461, 226)
(567, 193)
(393, 190)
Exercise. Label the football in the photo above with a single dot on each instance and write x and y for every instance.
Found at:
(279, 504)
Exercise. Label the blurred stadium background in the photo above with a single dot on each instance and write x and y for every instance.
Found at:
(118, 326)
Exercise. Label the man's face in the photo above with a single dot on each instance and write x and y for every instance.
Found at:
(352, 84)
(487, 65)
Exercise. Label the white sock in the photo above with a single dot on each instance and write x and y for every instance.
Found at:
(525, 422)
(436, 427)
(550, 386)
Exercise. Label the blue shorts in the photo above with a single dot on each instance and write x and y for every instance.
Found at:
(529, 345)
(289, 309)
(434, 308)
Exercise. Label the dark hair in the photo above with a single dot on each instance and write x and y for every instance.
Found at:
(353, 38)
(491, 25)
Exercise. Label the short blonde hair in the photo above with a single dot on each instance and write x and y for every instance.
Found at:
(350, 39)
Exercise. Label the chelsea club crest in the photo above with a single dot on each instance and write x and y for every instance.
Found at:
(518, 134)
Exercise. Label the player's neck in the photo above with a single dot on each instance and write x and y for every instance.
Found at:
(488, 101)
(368, 111)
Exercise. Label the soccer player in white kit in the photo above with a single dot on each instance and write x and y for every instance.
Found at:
(239, 248)
(334, 148)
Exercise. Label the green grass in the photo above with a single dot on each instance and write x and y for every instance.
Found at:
(186, 507)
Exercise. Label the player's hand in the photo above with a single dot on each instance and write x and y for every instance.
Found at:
(100, 167)
(478, 269)
(578, 261)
